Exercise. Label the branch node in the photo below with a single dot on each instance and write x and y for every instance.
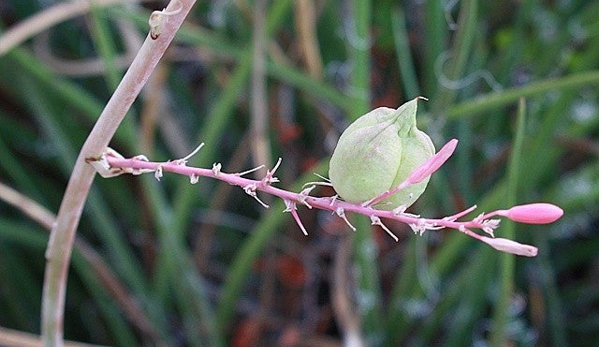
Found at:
(423, 225)
(158, 173)
(157, 19)
(489, 225)
(193, 178)
(269, 178)
(377, 221)
(250, 190)
(185, 159)
(216, 169)
(103, 167)
(291, 207)
(304, 194)
(341, 213)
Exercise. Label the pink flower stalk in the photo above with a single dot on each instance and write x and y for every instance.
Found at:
(430, 166)
(423, 171)
(112, 164)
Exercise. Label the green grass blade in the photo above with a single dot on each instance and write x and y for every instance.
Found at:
(499, 335)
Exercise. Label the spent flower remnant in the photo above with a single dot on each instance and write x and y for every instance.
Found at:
(381, 165)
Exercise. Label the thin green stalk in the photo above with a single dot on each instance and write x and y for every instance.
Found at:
(365, 248)
(397, 316)
(484, 103)
(107, 50)
(185, 282)
(16, 173)
(368, 291)
(193, 35)
(404, 57)
(220, 114)
(105, 46)
(435, 40)
(461, 50)
(469, 309)
(33, 239)
(499, 333)
(20, 286)
(251, 249)
(68, 92)
(518, 43)
(309, 85)
(359, 41)
(184, 196)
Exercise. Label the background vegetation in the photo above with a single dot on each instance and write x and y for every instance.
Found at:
(170, 264)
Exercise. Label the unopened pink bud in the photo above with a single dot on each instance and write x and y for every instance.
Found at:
(430, 166)
(537, 213)
(510, 246)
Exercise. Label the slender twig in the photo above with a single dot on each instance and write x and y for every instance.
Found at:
(48, 18)
(345, 313)
(259, 124)
(12, 338)
(30, 208)
(60, 245)
(105, 275)
(537, 213)
(305, 24)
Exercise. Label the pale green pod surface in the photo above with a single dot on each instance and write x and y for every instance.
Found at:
(376, 153)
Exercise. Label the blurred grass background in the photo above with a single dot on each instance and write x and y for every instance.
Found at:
(171, 264)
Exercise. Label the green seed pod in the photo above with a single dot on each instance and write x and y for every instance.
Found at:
(376, 153)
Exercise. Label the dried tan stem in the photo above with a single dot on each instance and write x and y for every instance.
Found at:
(12, 338)
(345, 312)
(306, 24)
(58, 253)
(115, 287)
(40, 22)
(259, 125)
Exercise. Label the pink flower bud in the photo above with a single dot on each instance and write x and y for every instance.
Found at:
(537, 213)
(429, 167)
(510, 246)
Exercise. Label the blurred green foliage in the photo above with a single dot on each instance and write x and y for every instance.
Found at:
(206, 265)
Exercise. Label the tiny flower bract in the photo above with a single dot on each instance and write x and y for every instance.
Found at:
(377, 152)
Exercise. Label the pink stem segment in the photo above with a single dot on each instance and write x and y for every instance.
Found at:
(536, 213)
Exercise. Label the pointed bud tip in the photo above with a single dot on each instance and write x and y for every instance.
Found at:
(536, 213)
(433, 164)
